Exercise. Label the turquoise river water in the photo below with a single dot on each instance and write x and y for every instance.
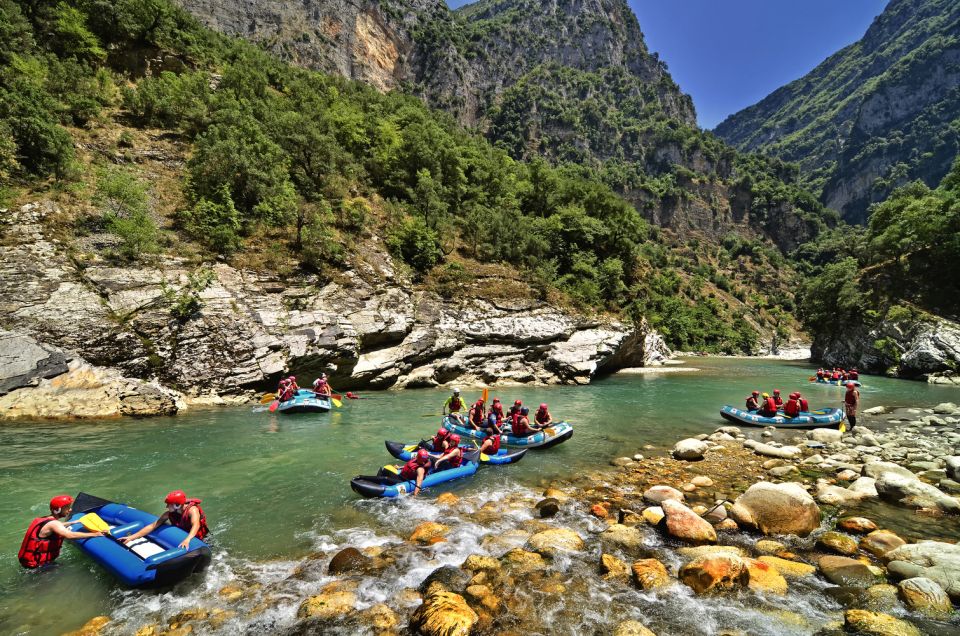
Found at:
(276, 487)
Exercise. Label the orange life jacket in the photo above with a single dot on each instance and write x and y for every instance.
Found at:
(182, 519)
(36, 551)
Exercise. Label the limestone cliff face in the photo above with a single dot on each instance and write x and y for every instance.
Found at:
(125, 340)
(874, 116)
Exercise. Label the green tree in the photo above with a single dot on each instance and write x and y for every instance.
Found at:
(214, 222)
(125, 205)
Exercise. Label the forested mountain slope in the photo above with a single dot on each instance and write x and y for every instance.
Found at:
(875, 116)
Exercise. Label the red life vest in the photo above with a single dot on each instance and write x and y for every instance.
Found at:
(409, 470)
(476, 415)
(752, 404)
(851, 397)
(804, 405)
(542, 416)
(778, 401)
(455, 403)
(495, 448)
(769, 406)
(520, 425)
(854, 375)
(437, 443)
(182, 519)
(498, 409)
(791, 408)
(36, 551)
(456, 459)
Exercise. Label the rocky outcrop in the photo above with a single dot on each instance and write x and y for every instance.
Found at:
(240, 329)
(927, 349)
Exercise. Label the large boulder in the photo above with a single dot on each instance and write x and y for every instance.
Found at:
(880, 542)
(912, 492)
(934, 560)
(656, 495)
(24, 361)
(715, 573)
(847, 572)
(777, 509)
(684, 524)
(621, 537)
(925, 596)
(649, 574)
(444, 614)
(825, 435)
(869, 623)
(555, 540)
(690, 449)
(767, 450)
(349, 560)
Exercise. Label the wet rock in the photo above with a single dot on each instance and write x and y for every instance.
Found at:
(428, 531)
(632, 628)
(838, 543)
(953, 467)
(825, 435)
(877, 624)
(328, 605)
(381, 618)
(613, 569)
(768, 546)
(690, 449)
(848, 475)
(548, 507)
(444, 614)
(946, 408)
(777, 509)
(682, 523)
(447, 577)
(789, 569)
(556, 493)
(856, 525)
(715, 573)
(482, 595)
(925, 596)
(649, 574)
(658, 494)
(715, 514)
(599, 511)
(148, 630)
(653, 515)
(865, 486)
(880, 542)
(934, 560)
(912, 492)
(447, 499)
(521, 561)
(765, 578)
(727, 525)
(349, 560)
(230, 593)
(880, 598)
(711, 550)
(701, 481)
(480, 563)
(621, 462)
(550, 542)
(91, 628)
(830, 495)
(876, 410)
(845, 571)
(621, 537)
(876, 469)
(950, 487)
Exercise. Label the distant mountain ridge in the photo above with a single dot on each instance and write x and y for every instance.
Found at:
(876, 115)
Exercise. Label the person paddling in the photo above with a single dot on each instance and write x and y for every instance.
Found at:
(454, 405)
(440, 442)
(417, 468)
(181, 512)
(321, 387)
(44, 537)
(453, 457)
(852, 403)
(490, 445)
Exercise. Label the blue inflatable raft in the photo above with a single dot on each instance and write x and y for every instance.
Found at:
(503, 456)
(840, 383)
(556, 434)
(153, 560)
(825, 418)
(305, 401)
(387, 483)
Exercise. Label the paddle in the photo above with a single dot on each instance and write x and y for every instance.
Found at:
(337, 403)
(267, 398)
(95, 523)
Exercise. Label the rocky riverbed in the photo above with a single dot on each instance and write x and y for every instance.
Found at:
(737, 532)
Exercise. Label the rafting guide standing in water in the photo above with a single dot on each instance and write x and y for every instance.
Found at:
(851, 402)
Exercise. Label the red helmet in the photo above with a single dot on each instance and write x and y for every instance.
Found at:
(794, 395)
(851, 386)
(517, 403)
(443, 432)
(496, 400)
(479, 403)
(755, 393)
(454, 439)
(177, 497)
(423, 456)
(60, 501)
(776, 391)
(543, 407)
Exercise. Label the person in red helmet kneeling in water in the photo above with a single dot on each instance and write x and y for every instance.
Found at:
(453, 457)
(416, 469)
(44, 538)
(181, 512)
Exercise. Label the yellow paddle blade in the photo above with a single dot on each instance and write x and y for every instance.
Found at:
(337, 403)
(410, 448)
(484, 457)
(843, 427)
(391, 468)
(92, 522)
(268, 398)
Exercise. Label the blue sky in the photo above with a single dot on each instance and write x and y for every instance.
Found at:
(730, 54)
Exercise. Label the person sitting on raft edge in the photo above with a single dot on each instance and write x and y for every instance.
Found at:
(490, 445)
(417, 468)
(753, 402)
(792, 407)
(44, 537)
(476, 418)
(441, 441)
(497, 407)
(521, 426)
(321, 387)
(768, 408)
(453, 457)
(777, 399)
(181, 512)
(454, 405)
(542, 417)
